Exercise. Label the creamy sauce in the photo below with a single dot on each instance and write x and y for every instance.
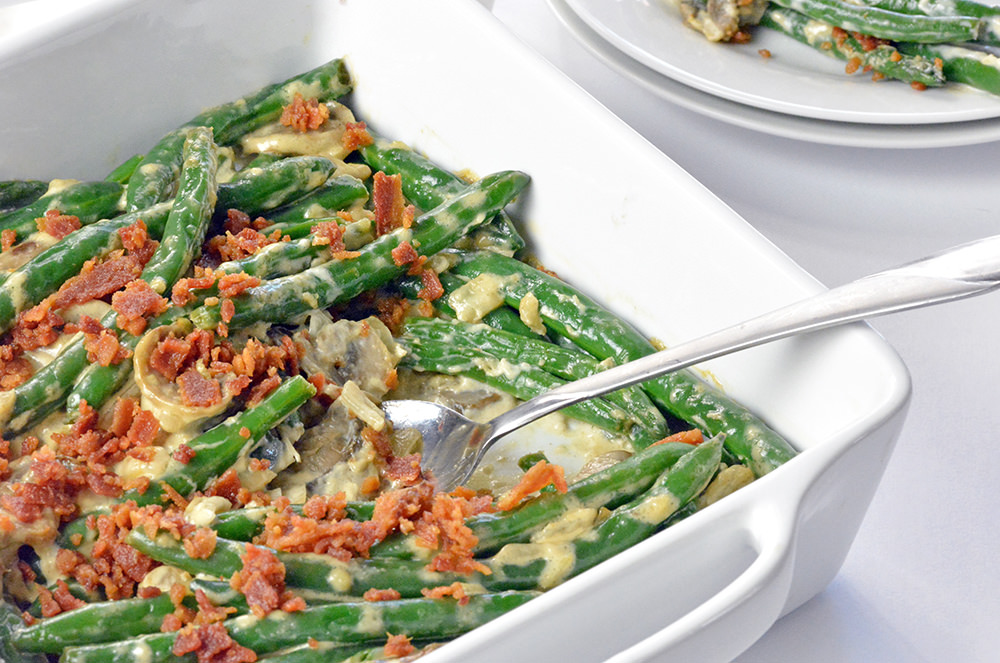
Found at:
(474, 299)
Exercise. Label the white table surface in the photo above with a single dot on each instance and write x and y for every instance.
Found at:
(920, 583)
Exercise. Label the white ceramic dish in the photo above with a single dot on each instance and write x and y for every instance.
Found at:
(828, 132)
(794, 80)
(605, 209)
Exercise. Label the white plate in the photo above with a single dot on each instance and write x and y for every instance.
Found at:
(605, 210)
(795, 80)
(850, 134)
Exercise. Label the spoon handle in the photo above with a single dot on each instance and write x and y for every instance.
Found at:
(963, 271)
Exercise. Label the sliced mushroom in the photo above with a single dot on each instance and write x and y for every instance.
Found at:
(161, 396)
(721, 20)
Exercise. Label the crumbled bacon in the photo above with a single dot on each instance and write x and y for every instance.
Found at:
(455, 590)
(237, 220)
(211, 643)
(261, 390)
(398, 646)
(201, 543)
(135, 304)
(375, 595)
(239, 245)
(261, 580)
(14, 369)
(404, 254)
(58, 601)
(392, 311)
(228, 485)
(57, 224)
(196, 390)
(232, 285)
(390, 208)
(444, 528)
(113, 565)
(131, 427)
(432, 288)
(102, 344)
(97, 279)
(182, 292)
(8, 238)
(403, 469)
(53, 485)
(324, 528)
(137, 242)
(693, 436)
(184, 454)
(304, 114)
(538, 476)
(328, 233)
(37, 327)
(356, 135)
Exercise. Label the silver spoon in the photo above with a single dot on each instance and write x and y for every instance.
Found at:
(453, 445)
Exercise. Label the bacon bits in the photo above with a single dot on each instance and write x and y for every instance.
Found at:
(538, 476)
(391, 210)
(57, 224)
(135, 304)
(304, 114)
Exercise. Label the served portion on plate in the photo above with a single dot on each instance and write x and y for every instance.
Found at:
(195, 460)
(797, 127)
(775, 72)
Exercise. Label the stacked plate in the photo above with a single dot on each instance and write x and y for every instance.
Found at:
(774, 84)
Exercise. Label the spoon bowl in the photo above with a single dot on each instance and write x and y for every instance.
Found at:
(454, 445)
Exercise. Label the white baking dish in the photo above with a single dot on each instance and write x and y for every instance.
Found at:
(606, 210)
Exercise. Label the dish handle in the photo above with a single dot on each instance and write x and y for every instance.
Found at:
(739, 613)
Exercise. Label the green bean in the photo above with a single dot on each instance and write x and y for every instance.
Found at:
(11, 625)
(123, 171)
(43, 274)
(152, 181)
(608, 488)
(107, 621)
(960, 64)
(503, 318)
(231, 121)
(246, 523)
(625, 527)
(88, 201)
(989, 32)
(336, 281)
(344, 623)
(218, 448)
(524, 382)
(887, 24)
(271, 186)
(279, 259)
(15, 194)
(317, 578)
(570, 313)
(326, 652)
(518, 365)
(336, 194)
(258, 161)
(190, 214)
(885, 59)
(428, 185)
